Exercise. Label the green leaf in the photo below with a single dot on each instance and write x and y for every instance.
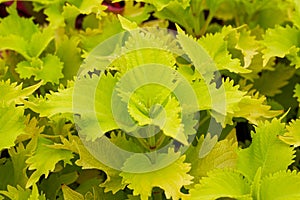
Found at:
(265, 151)
(48, 69)
(53, 103)
(222, 183)
(69, 53)
(280, 77)
(281, 42)
(174, 177)
(255, 109)
(23, 35)
(88, 161)
(136, 11)
(165, 3)
(281, 185)
(249, 46)
(14, 93)
(127, 24)
(222, 155)
(45, 158)
(11, 125)
(216, 46)
(18, 193)
(6, 173)
(52, 185)
(70, 194)
(292, 136)
(18, 156)
(297, 92)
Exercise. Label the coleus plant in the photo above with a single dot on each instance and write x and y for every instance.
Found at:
(193, 89)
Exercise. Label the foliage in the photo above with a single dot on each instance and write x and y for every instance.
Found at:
(231, 71)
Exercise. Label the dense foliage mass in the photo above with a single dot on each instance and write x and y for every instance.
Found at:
(241, 59)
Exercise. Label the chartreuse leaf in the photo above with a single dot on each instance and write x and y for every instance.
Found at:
(11, 124)
(280, 76)
(249, 46)
(48, 68)
(265, 151)
(170, 178)
(53, 103)
(281, 185)
(164, 3)
(18, 193)
(222, 183)
(91, 37)
(292, 136)
(18, 157)
(222, 155)
(45, 158)
(217, 48)
(13, 93)
(69, 53)
(255, 109)
(297, 92)
(24, 37)
(135, 12)
(88, 161)
(282, 41)
(70, 194)
(127, 24)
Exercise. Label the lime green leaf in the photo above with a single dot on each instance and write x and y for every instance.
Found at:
(280, 77)
(88, 161)
(103, 102)
(39, 41)
(280, 42)
(292, 136)
(11, 125)
(44, 159)
(73, 8)
(23, 35)
(108, 26)
(18, 156)
(255, 109)
(136, 11)
(265, 151)
(222, 155)
(93, 102)
(48, 69)
(297, 92)
(23, 27)
(248, 45)
(19, 193)
(53, 103)
(35, 194)
(222, 183)
(69, 53)
(16, 193)
(216, 46)
(281, 185)
(70, 194)
(174, 177)
(15, 43)
(164, 3)
(127, 24)
(54, 17)
(14, 93)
